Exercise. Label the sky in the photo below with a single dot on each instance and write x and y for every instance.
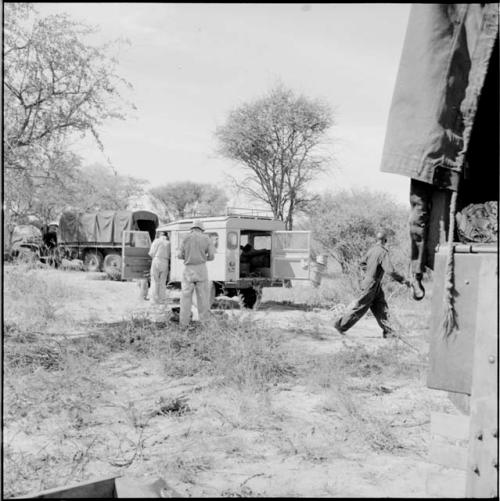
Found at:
(191, 64)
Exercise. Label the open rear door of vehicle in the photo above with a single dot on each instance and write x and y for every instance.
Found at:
(135, 258)
(290, 253)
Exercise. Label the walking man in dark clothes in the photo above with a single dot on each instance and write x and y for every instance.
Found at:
(375, 263)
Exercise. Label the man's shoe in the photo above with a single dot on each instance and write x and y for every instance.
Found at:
(337, 326)
(388, 335)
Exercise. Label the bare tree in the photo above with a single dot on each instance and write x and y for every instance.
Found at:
(277, 139)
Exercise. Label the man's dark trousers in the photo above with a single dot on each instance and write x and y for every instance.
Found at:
(372, 298)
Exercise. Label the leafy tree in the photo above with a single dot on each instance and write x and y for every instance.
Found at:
(55, 84)
(38, 194)
(101, 189)
(69, 185)
(276, 139)
(344, 225)
(178, 200)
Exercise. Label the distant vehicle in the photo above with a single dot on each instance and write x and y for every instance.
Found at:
(29, 243)
(252, 251)
(96, 238)
(26, 243)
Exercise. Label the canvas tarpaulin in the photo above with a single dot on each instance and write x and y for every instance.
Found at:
(69, 230)
(445, 58)
(87, 228)
(104, 227)
(122, 221)
(442, 130)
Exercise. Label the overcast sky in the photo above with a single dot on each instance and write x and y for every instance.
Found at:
(190, 64)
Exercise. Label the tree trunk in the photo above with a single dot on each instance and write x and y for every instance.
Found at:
(289, 221)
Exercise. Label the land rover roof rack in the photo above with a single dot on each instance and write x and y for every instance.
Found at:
(245, 212)
(233, 212)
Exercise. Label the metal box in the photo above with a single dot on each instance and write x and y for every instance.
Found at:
(451, 358)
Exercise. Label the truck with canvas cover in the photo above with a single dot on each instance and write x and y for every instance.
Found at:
(96, 237)
(443, 133)
(252, 251)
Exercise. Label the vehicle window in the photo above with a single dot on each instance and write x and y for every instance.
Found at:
(140, 239)
(243, 240)
(292, 241)
(232, 240)
(215, 238)
(262, 242)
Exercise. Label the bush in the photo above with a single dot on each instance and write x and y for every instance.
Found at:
(344, 225)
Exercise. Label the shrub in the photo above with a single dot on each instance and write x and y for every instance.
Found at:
(344, 225)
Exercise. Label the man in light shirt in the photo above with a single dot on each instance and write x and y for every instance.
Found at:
(160, 252)
(196, 249)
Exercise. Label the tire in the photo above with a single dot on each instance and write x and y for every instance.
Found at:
(249, 297)
(113, 264)
(93, 260)
(26, 255)
(211, 294)
(215, 289)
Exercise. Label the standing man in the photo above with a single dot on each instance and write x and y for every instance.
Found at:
(160, 252)
(196, 249)
(375, 262)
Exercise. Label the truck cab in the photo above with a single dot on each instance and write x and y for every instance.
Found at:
(252, 251)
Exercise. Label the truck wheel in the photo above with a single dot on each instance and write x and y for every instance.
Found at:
(93, 260)
(113, 265)
(26, 255)
(249, 297)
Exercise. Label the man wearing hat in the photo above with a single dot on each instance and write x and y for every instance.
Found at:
(196, 249)
(375, 263)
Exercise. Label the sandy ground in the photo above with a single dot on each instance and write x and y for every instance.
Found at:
(294, 443)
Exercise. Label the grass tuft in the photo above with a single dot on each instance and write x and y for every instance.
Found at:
(30, 300)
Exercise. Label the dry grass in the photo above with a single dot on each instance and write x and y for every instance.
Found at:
(329, 293)
(30, 300)
(234, 416)
(349, 379)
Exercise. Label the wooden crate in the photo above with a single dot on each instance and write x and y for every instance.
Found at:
(448, 452)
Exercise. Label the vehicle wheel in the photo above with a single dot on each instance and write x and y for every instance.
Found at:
(249, 297)
(211, 294)
(113, 265)
(26, 255)
(93, 260)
